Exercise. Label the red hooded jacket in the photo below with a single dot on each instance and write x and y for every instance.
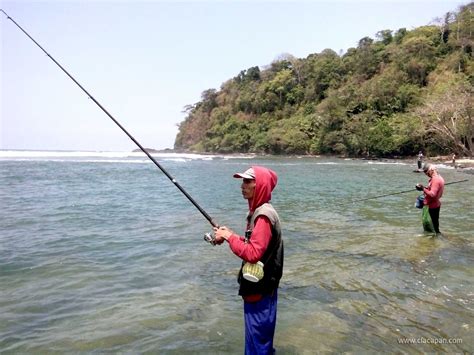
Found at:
(265, 182)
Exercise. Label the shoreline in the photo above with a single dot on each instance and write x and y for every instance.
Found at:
(461, 162)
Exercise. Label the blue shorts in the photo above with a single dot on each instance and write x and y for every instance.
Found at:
(260, 322)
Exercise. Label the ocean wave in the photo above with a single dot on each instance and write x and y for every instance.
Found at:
(115, 157)
(444, 166)
(72, 160)
(389, 163)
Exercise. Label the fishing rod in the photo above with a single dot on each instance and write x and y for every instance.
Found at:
(397, 193)
(171, 178)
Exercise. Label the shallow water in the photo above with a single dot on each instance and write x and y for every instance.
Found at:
(101, 253)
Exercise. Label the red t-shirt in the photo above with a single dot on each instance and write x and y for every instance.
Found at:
(434, 191)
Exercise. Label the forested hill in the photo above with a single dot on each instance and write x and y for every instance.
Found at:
(403, 91)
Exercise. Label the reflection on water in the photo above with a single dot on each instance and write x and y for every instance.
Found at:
(108, 257)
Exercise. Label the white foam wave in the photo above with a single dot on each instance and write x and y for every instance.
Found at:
(72, 160)
(107, 156)
(444, 166)
(388, 163)
(61, 154)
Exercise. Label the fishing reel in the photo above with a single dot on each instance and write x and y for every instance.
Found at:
(208, 237)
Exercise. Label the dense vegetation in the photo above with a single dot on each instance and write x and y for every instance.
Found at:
(391, 96)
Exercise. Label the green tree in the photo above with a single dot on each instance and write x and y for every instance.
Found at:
(404, 91)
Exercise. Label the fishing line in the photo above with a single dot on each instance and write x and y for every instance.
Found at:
(397, 193)
(171, 178)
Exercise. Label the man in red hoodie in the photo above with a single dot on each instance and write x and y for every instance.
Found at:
(433, 193)
(262, 243)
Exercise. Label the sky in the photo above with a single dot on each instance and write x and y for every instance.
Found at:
(145, 61)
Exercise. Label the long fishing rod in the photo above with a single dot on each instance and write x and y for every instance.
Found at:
(397, 193)
(172, 179)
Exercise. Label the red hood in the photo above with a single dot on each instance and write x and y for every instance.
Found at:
(265, 182)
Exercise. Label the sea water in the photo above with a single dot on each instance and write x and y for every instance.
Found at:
(100, 252)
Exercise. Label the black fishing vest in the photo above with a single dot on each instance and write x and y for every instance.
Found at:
(272, 258)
